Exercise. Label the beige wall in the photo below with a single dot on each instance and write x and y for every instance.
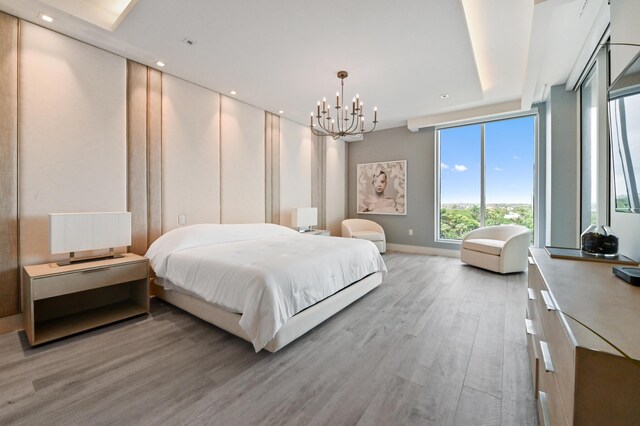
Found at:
(242, 192)
(72, 133)
(295, 168)
(190, 153)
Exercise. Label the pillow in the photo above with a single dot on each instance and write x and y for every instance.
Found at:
(207, 234)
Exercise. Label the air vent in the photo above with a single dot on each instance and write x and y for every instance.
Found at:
(188, 41)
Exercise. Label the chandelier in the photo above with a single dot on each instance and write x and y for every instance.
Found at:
(344, 121)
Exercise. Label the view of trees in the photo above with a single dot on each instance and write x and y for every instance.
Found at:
(456, 220)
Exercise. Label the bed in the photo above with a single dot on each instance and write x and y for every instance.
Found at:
(265, 283)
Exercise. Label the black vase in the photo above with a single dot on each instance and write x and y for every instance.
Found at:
(599, 241)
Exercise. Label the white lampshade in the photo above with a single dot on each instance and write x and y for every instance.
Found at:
(304, 217)
(73, 232)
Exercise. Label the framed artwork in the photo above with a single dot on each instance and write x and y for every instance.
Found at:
(382, 188)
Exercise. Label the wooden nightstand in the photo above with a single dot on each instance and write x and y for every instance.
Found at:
(63, 300)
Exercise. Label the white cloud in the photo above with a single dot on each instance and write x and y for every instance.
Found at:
(460, 168)
(515, 157)
(498, 169)
(444, 166)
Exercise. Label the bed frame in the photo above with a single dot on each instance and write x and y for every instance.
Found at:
(291, 330)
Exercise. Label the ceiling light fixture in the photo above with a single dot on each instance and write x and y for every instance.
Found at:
(45, 18)
(444, 96)
(233, 92)
(160, 64)
(281, 112)
(348, 123)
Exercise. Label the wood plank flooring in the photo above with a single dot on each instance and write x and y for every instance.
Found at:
(437, 343)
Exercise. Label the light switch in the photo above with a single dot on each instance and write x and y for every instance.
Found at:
(182, 219)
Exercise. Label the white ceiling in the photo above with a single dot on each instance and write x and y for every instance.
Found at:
(401, 56)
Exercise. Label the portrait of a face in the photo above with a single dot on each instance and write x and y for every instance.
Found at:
(380, 182)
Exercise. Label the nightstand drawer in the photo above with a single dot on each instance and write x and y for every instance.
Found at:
(56, 285)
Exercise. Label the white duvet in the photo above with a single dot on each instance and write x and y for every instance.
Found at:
(265, 272)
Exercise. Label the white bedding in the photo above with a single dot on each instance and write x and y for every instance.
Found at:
(265, 272)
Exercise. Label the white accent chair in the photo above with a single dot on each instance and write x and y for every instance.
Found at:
(500, 248)
(365, 230)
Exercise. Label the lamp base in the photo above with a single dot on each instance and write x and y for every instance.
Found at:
(72, 259)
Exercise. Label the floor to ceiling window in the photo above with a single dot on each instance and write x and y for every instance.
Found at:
(486, 175)
(594, 161)
(589, 160)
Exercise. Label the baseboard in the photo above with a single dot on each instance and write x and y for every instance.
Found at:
(11, 323)
(423, 250)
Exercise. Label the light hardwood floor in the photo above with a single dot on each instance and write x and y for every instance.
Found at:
(437, 343)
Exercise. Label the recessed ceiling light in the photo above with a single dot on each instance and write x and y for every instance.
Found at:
(160, 64)
(444, 96)
(281, 112)
(233, 92)
(45, 18)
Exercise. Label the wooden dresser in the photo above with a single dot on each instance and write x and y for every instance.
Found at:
(578, 378)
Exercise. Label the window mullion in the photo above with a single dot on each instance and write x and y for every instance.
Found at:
(482, 176)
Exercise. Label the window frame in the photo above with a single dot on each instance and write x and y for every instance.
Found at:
(533, 112)
(599, 65)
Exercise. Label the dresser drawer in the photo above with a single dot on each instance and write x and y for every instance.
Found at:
(551, 408)
(534, 278)
(561, 349)
(534, 335)
(534, 360)
(56, 285)
(534, 316)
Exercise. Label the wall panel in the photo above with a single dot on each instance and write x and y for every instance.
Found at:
(9, 272)
(318, 177)
(272, 167)
(72, 138)
(243, 163)
(336, 191)
(295, 168)
(154, 155)
(137, 202)
(190, 153)
(563, 168)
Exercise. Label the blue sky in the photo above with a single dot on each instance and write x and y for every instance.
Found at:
(509, 147)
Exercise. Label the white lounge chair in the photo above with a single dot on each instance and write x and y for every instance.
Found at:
(365, 230)
(501, 248)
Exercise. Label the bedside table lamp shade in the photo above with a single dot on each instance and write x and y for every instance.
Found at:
(72, 232)
(304, 217)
